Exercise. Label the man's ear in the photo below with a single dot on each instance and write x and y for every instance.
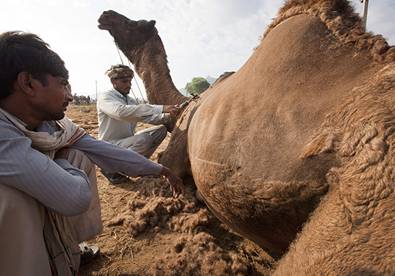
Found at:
(27, 83)
(24, 82)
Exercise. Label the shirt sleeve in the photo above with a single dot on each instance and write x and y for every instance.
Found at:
(55, 184)
(116, 109)
(112, 158)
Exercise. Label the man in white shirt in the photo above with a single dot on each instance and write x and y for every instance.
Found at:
(118, 115)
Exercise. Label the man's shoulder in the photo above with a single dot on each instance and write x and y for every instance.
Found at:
(9, 130)
(105, 95)
(108, 94)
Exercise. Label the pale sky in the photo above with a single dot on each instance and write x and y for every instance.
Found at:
(201, 37)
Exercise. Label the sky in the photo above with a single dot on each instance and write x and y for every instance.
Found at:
(201, 37)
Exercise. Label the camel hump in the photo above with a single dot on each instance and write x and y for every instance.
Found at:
(222, 77)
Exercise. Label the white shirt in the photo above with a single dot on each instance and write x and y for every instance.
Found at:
(118, 115)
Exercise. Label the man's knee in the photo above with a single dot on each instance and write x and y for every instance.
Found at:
(161, 133)
(88, 224)
(79, 160)
(17, 204)
(21, 231)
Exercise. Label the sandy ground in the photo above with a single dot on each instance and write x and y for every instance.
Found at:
(147, 232)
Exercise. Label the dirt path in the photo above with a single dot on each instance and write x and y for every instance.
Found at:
(147, 232)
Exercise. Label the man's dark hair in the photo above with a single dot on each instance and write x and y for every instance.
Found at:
(26, 52)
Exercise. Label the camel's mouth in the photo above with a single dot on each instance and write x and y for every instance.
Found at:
(103, 26)
(108, 19)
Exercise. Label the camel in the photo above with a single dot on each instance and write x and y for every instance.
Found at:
(295, 150)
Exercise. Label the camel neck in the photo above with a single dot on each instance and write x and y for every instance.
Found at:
(151, 65)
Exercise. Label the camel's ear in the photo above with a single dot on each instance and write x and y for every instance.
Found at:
(146, 25)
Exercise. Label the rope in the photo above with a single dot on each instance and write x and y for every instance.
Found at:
(134, 95)
(119, 53)
(138, 87)
(137, 100)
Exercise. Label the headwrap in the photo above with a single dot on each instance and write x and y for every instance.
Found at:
(119, 71)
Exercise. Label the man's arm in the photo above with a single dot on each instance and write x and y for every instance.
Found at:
(113, 158)
(56, 184)
(116, 109)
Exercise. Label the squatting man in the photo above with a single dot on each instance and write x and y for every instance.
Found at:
(48, 193)
(118, 115)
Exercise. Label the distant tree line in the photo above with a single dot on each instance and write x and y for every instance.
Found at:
(82, 100)
(197, 86)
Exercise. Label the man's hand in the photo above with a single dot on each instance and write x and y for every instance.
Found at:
(176, 185)
(172, 109)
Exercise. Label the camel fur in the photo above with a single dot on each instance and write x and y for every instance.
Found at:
(295, 150)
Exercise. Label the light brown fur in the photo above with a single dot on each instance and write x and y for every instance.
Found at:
(342, 21)
(300, 139)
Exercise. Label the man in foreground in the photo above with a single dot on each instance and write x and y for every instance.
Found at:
(118, 115)
(48, 193)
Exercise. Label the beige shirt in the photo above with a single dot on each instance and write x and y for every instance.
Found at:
(119, 114)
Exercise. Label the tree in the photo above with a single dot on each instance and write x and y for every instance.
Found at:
(81, 100)
(197, 86)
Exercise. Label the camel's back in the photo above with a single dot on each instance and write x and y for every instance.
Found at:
(246, 139)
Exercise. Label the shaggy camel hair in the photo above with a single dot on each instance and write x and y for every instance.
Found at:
(295, 150)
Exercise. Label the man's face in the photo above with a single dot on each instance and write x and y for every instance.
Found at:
(52, 99)
(122, 85)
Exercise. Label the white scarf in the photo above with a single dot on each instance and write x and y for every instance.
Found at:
(47, 143)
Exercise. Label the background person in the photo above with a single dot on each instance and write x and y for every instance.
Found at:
(118, 115)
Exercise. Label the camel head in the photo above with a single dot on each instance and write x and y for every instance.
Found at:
(122, 29)
(141, 44)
